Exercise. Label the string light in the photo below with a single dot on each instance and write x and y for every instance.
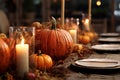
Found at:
(98, 3)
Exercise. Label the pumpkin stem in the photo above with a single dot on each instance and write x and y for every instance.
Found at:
(39, 52)
(53, 23)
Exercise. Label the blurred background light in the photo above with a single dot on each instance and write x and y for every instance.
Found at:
(98, 3)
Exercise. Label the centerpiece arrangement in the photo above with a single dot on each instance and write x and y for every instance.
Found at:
(56, 46)
(52, 45)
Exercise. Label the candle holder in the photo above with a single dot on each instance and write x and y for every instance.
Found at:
(28, 33)
(24, 38)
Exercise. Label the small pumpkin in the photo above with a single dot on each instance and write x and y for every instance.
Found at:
(3, 35)
(77, 47)
(84, 39)
(90, 34)
(4, 56)
(41, 61)
(37, 25)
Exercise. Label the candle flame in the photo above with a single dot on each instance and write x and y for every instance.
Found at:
(22, 41)
(86, 20)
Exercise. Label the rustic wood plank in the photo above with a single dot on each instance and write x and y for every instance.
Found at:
(105, 77)
(101, 77)
(98, 55)
(117, 77)
(113, 56)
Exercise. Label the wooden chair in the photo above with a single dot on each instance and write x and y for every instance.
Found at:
(99, 25)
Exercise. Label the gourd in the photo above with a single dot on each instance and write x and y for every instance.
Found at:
(37, 25)
(90, 34)
(41, 61)
(84, 39)
(57, 43)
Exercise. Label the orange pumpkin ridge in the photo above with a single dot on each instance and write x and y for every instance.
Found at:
(68, 38)
(47, 61)
(60, 45)
(4, 56)
(41, 61)
(56, 43)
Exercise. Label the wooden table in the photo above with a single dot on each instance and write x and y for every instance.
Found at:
(66, 71)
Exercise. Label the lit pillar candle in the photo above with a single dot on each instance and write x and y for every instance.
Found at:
(86, 24)
(22, 58)
(73, 34)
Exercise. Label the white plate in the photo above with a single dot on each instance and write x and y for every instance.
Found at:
(109, 34)
(109, 39)
(106, 47)
(98, 63)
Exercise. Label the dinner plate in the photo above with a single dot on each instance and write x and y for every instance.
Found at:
(112, 39)
(109, 34)
(98, 63)
(106, 47)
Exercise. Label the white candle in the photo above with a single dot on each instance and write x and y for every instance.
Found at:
(73, 34)
(86, 24)
(22, 58)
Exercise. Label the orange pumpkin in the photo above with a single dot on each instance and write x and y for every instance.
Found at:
(11, 43)
(90, 34)
(77, 47)
(41, 61)
(57, 43)
(4, 56)
(84, 39)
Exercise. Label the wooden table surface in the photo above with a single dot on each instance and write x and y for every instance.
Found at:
(71, 72)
